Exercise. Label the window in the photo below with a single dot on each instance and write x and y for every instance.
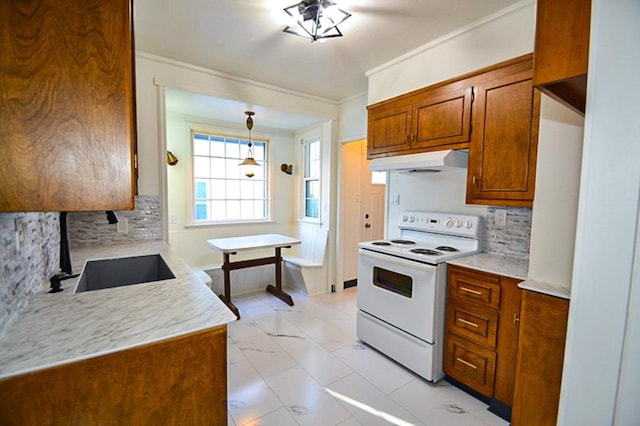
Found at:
(221, 192)
(311, 183)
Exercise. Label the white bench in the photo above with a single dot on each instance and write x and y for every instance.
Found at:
(304, 265)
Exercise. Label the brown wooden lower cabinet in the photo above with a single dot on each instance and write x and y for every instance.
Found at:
(543, 330)
(481, 334)
(181, 381)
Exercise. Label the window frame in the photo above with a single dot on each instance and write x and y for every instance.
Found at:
(190, 198)
(305, 141)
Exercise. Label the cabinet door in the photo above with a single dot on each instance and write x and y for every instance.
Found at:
(541, 344)
(507, 347)
(389, 127)
(561, 54)
(66, 96)
(442, 117)
(504, 140)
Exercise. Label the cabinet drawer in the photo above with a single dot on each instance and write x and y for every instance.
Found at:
(481, 290)
(474, 323)
(471, 364)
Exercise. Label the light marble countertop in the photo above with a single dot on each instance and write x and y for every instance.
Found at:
(514, 268)
(64, 327)
(495, 264)
(563, 292)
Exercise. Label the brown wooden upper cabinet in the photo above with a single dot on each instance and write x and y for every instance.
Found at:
(67, 99)
(430, 119)
(504, 139)
(561, 54)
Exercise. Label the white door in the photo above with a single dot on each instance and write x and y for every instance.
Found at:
(372, 201)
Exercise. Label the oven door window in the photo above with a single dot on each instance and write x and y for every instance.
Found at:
(393, 281)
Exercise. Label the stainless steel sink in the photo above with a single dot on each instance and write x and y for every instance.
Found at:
(109, 273)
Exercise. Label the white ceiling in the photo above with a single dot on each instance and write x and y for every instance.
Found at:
(244, 38)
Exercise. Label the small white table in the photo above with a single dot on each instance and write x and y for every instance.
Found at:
(232, 245)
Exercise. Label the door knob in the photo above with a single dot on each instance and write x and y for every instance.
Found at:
(367, 225)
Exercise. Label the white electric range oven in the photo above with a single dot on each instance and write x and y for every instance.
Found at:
(402, 287)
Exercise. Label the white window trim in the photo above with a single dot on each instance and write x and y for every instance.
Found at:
(305, 139)
(235, 133)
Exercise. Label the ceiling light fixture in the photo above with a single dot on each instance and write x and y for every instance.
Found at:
(249, 163)
(315, 19)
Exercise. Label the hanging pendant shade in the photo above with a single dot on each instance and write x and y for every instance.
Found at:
(249, 163)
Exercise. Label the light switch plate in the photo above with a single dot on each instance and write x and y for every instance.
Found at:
(501, 217)
(395, 199)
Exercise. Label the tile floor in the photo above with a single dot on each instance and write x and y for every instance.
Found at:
(303, 365)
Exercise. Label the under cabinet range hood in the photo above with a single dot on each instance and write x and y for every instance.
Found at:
(437, 161)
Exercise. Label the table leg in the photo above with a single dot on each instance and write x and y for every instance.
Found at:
(277, 290)
(226, 298)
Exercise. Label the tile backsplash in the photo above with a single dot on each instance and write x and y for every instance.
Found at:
(28, 261)
(511, 240)
(143, 223)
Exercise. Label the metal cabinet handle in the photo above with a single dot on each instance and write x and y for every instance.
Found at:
(516, 319)
(468, 364)
(468, 290)
(464, 321)
(475, 180)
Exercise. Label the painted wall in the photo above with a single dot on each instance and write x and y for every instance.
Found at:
(353, 119)
(190, 241)
(153, 71)
(444, 192)
(600, 376)
(499, 37)
(555, 206)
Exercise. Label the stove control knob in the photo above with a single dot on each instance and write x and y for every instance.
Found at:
(412, 219)
(458, 223)
(448, 223)
(404, 218)
(468, 225)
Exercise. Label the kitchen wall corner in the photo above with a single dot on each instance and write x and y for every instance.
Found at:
(27, 261)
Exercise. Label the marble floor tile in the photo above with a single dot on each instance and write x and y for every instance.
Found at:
(375, 367)
(368, 404)
(280, 417)
(322, 332)
(265, 354)
(321, 364)
(285, 361)
(281, 329)
(305, 399)
(249, 397)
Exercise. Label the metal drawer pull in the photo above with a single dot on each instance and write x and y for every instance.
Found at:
(464, 321)
(468, 364)
(468, 290)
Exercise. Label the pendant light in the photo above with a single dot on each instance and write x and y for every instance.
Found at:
(249, 164)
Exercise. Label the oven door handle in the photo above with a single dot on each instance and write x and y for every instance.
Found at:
(396, 260)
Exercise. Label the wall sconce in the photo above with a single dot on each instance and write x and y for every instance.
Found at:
(286, 168)
(172, 160)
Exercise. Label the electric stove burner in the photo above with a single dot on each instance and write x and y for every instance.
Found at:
(428, 252)
(381, 243)
(447, 248)
(403, 242)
